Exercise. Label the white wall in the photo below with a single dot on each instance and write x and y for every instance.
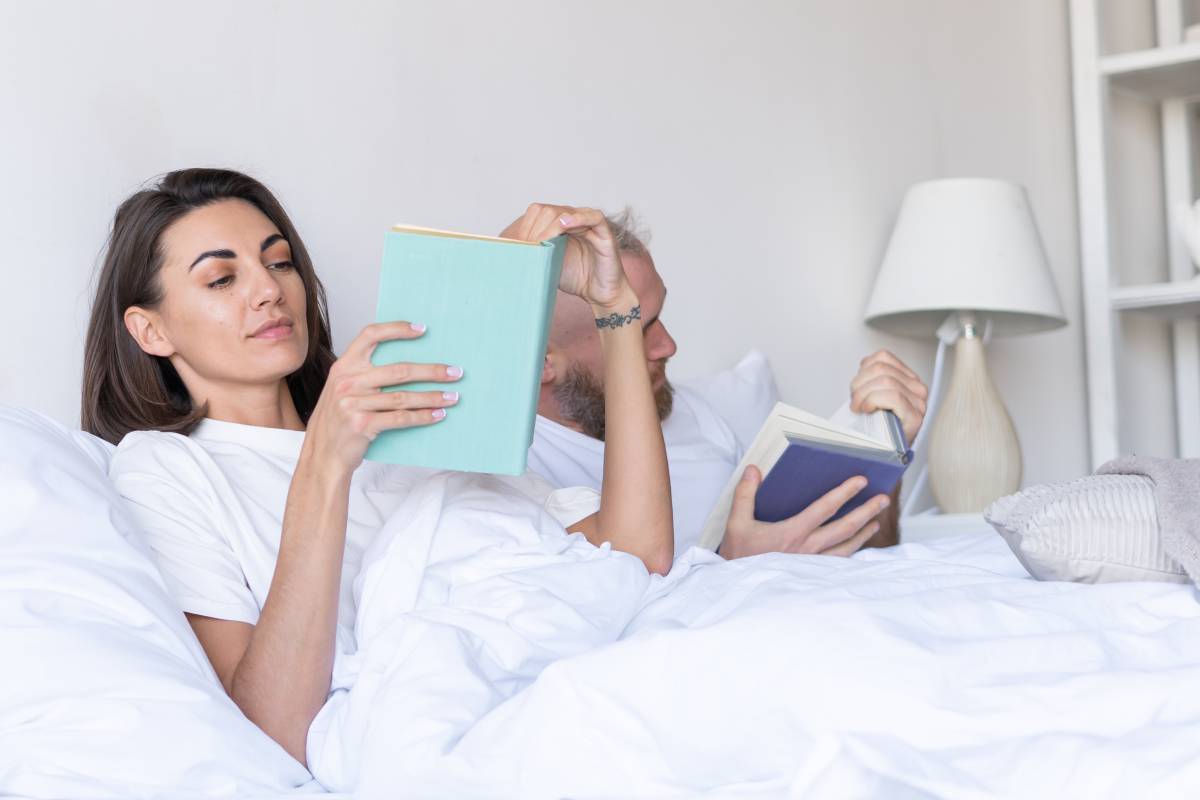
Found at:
(767, 145)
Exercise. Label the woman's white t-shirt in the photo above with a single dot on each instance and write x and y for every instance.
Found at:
(211, 508)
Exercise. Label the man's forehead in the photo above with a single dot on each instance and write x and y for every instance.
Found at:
(642, 274)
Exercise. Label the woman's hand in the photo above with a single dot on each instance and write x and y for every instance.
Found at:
(592, 264)
(352, 409)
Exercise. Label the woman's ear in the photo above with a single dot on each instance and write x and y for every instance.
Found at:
(146, 328)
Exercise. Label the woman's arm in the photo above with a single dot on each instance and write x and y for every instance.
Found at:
(278, 670)
(635, 495)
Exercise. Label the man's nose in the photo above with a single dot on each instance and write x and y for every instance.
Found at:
(660, 345)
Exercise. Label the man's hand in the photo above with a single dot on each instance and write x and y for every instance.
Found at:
(884, 381)
(808, 531)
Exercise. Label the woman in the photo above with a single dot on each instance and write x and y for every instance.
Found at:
(241, 436)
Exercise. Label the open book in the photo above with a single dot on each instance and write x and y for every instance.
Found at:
(486, 303)
(802, 456)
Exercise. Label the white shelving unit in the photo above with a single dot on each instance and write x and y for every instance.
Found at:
(1163, 73)
(1169, 75)
(1175, 300)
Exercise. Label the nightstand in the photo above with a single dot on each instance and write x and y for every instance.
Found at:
(923, 527)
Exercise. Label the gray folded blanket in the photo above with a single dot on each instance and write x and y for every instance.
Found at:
(1177, 499)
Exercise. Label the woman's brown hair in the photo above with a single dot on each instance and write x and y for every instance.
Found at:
(126, 389)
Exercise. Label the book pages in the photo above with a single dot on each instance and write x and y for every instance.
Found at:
(864, 431)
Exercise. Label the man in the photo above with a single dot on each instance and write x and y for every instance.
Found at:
(702, 450)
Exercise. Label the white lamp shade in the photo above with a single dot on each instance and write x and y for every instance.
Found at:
(965, 244)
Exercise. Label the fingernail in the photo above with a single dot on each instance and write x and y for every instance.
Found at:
(439, 413)
(860, 484)
(565, 220)
(419, 327)
(450, 397)
(885, 502)
(454, 372)
(746, 474)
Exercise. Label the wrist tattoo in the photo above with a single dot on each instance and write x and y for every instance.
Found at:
(615, 320)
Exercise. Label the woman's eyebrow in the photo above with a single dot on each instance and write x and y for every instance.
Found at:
(213, 254)
(270, 240)
(267, 242)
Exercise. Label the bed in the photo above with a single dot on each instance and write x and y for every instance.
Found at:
(934, 669)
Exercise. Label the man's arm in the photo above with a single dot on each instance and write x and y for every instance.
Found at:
(883, 382)
(889, 524)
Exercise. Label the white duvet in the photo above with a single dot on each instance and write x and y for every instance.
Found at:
(498, 657)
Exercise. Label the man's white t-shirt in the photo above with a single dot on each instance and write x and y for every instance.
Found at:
(702, 453)
(211, 508)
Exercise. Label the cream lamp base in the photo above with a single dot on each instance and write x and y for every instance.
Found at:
(974, 455)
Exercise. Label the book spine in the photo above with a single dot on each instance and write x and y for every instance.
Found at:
(551, 270)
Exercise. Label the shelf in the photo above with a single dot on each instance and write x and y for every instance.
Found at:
(1168, 75)
(1171, 300)
(1161, 73)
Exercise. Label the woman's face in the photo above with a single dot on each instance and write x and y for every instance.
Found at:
(233, 308)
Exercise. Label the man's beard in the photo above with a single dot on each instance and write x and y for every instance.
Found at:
(580, 399)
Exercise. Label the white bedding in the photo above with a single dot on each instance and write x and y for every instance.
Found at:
(509, 660)
(937, 670)
(104, 690)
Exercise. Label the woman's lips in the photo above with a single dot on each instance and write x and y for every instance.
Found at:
(281, 331)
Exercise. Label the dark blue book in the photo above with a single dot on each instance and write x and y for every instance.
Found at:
(803, 456)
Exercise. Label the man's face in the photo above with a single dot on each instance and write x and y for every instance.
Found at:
(576, 396)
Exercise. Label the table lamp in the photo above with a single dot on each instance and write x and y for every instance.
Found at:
(965, 260)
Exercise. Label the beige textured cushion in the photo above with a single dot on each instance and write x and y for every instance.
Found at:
(1092, 530)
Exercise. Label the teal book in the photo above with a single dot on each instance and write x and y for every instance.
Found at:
(487, 304)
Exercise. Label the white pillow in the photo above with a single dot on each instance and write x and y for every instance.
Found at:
(104, 689)
(1090, 530)
(743, 395)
